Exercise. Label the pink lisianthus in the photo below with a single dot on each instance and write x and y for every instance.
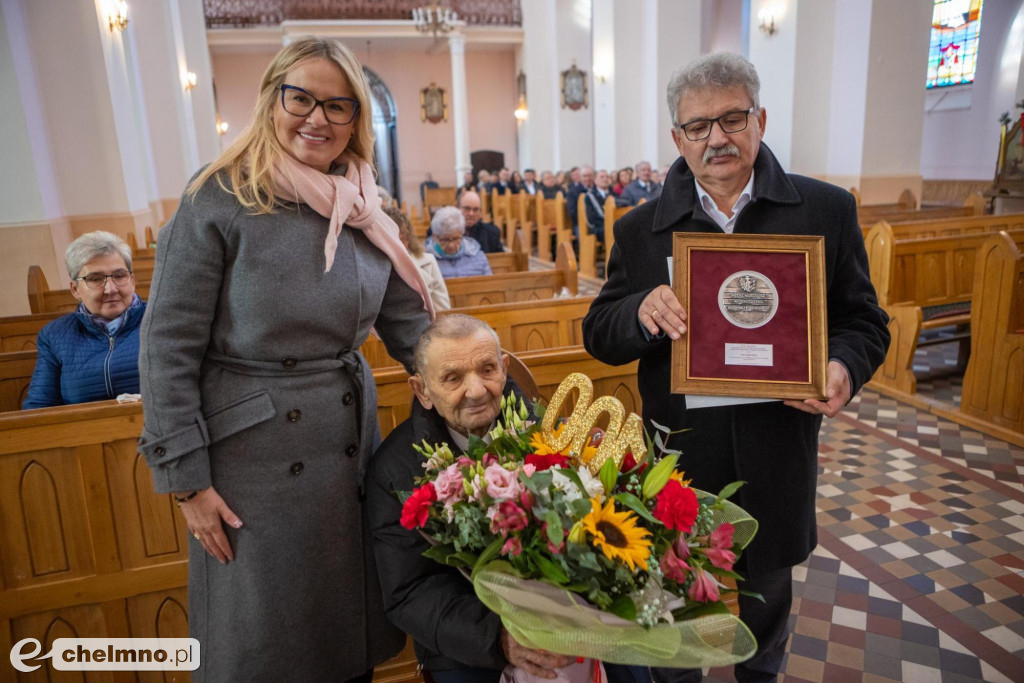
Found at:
(488, 459)
(448, 485)
(526, 499)
(673, 566)
(721, 541)
(506, 517)
(703, 588)
(513, 546)
(528, 469)
(464, 461)
(501, 483)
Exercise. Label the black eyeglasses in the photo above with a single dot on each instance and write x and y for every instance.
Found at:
(299, 102)
(730, 122)
(99, 280)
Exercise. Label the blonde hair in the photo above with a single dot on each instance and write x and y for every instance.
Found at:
(248, 164)
(405, 228)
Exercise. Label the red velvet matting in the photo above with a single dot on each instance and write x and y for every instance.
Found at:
(709, 330)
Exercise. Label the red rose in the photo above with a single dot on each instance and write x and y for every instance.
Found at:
(629, 462)
(546, 462)
(417, 506)
(676, 506)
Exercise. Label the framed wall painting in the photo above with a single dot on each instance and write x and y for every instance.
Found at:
(574, 88)
(433, 104)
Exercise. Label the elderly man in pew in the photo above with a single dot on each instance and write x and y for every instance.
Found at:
(91, 354)
(457, 254)
(461, 376)
(487, 234)
(595, 199)
(726, 180)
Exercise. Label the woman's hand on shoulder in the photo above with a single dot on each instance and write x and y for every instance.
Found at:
(206, 513)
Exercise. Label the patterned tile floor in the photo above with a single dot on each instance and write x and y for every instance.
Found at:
(919, 571)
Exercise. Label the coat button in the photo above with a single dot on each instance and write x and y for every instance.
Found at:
(294, 415)
(348, 398)
(351, 450)
(159, 451)
(289, 362)
(297, 468)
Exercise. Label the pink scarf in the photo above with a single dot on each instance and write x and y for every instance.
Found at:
(350, 199)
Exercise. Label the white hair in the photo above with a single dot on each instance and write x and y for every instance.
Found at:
(446, 221)
(715, 71)
(93, 244)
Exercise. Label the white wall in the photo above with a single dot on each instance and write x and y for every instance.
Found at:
(963, 143)
(576, 128)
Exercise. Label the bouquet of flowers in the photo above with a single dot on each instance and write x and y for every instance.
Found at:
(587, 544)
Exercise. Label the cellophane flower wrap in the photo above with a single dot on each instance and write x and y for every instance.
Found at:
(628, 565)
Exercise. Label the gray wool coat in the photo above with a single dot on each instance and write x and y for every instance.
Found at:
(252, 383)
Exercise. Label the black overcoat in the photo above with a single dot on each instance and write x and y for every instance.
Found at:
(769, 445)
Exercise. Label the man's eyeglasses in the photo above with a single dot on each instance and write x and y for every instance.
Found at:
(98, 281)
(298, 102)
(730, 122)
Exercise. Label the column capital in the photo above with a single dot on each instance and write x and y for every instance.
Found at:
(457, 42)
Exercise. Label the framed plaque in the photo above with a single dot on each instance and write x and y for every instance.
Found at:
(756, 316)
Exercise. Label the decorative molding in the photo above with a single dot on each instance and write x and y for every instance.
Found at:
(223, 13)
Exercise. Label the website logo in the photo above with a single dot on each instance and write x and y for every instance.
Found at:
(109, 654)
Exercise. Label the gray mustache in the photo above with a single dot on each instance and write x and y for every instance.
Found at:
(712, 152)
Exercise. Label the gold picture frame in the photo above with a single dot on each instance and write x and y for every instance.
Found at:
(433, 104)
(575, 93)
(756, 315)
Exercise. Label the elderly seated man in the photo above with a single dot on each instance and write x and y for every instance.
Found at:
(461, 376)
(457, 254)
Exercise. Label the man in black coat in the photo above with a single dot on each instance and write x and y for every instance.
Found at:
(487, 234)
(596, 197)
(727, 181)
(641, 188)
(461, 375)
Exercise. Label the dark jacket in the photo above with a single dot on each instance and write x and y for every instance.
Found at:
(634, 192)
(769, 445)
(571, 200)
(595, 211)
(488, 235)
(79, 362)
(433, 603)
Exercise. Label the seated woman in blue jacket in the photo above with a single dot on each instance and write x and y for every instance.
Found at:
(91, 354)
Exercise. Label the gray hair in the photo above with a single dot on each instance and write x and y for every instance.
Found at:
(454, 326)
(93, 244)
(446, 221)
(713, 72)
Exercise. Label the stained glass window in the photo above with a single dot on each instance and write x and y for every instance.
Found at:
(953, 51)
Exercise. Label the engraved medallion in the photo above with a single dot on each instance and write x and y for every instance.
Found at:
(748, 299)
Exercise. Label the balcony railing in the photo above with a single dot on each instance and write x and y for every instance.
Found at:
(240, 13)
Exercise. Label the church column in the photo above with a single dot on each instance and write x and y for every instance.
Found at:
(460, 109)
(539, 146)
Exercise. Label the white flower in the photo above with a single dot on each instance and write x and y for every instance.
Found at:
(562, 483)
(593, 485)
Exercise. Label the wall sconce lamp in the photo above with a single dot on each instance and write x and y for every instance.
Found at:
(767, 18)
(522, 112)
(222, 127)
(119, 16)
(190, 80)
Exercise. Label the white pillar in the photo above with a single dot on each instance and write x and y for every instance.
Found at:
(460, 109)
(539, 62)
(605, 76)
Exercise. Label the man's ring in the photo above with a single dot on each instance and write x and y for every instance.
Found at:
(197, 536)
(655, 313)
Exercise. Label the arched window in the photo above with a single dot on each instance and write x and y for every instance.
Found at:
(953, 51)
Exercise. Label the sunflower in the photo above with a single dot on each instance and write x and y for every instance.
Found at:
(680, 477)
(617, 535)
(540, 446)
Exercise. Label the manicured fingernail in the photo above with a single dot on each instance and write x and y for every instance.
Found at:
(237, 524)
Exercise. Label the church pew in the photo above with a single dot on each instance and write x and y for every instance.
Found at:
(16, 369)
(552, 219)
(87, 549)
(612, 213)
(42, 299)
(523, 286)
(436, 197)
(524, 211)
(923, 284)
(950, 226)
(19, 332)
(588, 240)
(141, 253)
(993, 388)
(906, 200)
(508, 262)
(501, 207)
(973, 206)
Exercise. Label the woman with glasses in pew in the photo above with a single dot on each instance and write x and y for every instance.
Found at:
(260, 412)
(91, 354)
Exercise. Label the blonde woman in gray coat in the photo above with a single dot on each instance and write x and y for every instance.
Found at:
(260, 413)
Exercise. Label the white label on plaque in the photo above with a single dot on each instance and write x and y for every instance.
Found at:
(749, 354)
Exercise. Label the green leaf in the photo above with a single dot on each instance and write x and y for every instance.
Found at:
(488, 554)
(752, 594)
(608, 475)
(554, 528)
(636, 505)
(661, 428)
(551, 571)
(728, 491)
(476, 443)
(439, 553)
(580, 507)
(658, 476)
(539, 409)
(692, 610)
(623, 606)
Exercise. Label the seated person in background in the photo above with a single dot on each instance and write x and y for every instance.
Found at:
(487, 234)
(461, 376)
(529, 184)
(428, 183)
(596, 197)
(503, 183)
(549, 186)
(424, 259)
(468, 184)
(641, 188)
(517, 181)
(483, 181)
(91, 354)
(457, 255)
(622, 178)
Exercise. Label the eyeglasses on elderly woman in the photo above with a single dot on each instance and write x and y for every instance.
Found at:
(97, 281)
